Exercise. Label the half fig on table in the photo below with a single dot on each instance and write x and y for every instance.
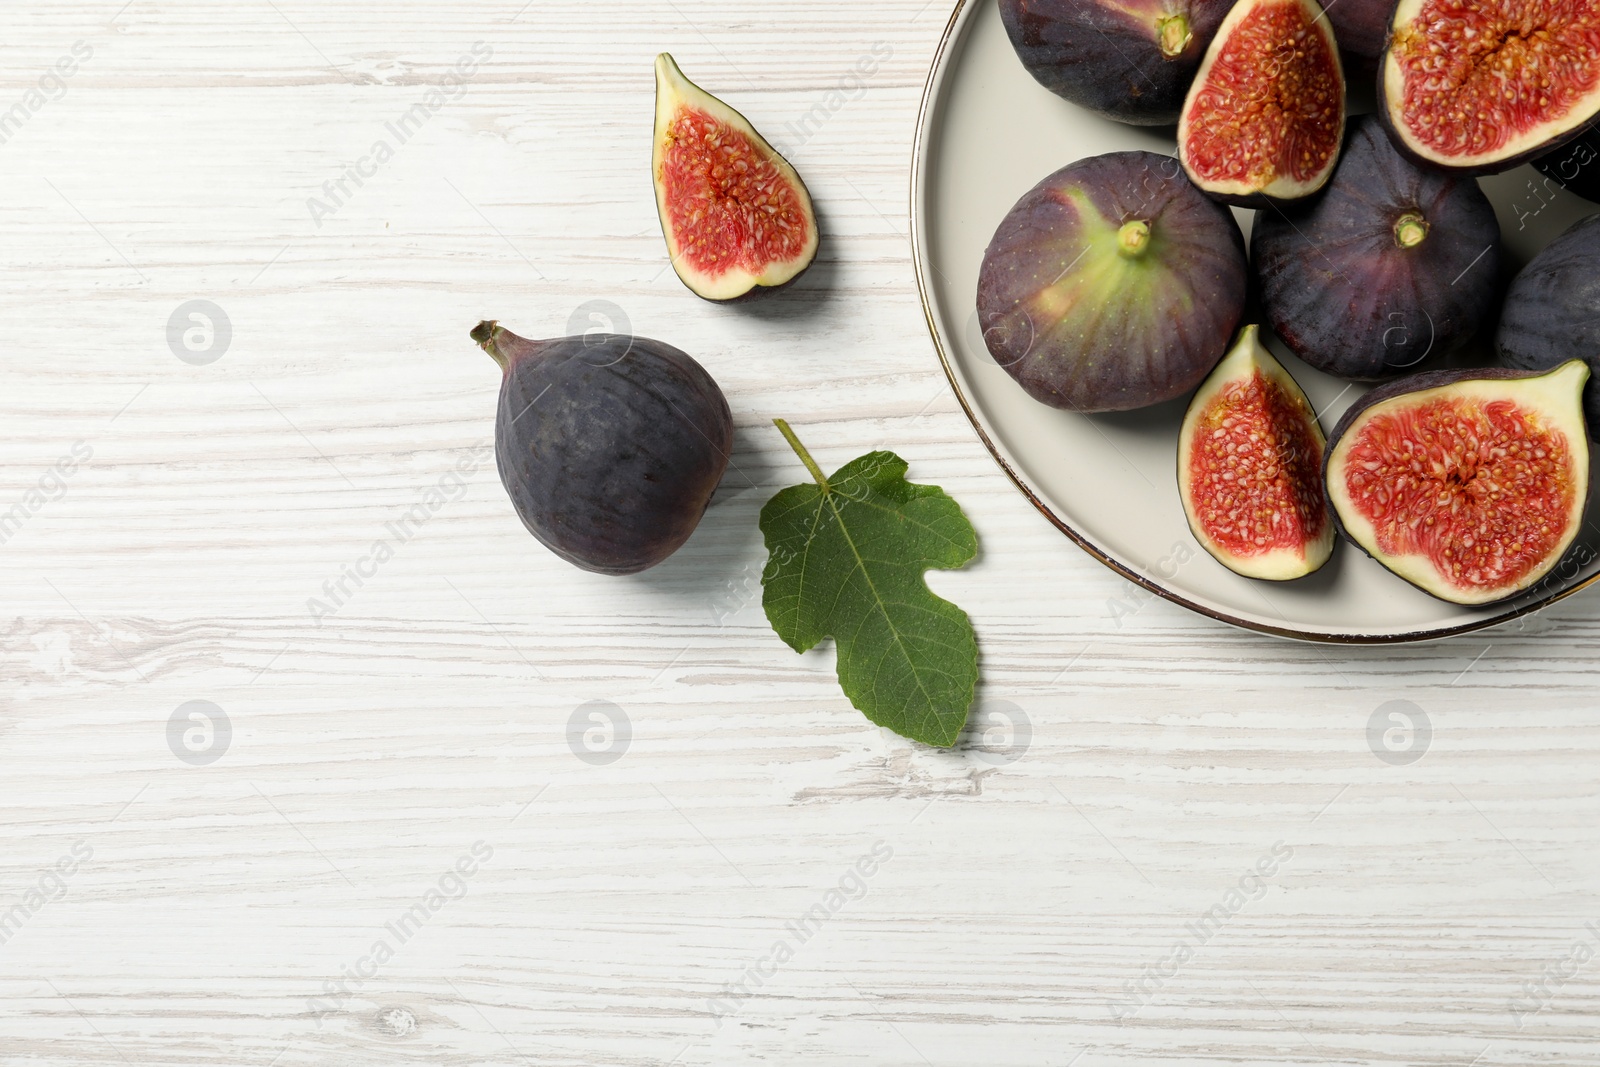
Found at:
(737, 218)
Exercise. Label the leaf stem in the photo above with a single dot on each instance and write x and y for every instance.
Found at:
(800, 450)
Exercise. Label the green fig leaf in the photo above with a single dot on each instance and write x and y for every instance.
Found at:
(846, 559)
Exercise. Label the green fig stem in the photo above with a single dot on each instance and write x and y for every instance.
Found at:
(1411, 230)
(1174, 34)
(1133, 239)
(484, 334)
(805, 457)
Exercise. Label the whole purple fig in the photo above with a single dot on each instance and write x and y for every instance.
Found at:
(1114, 284)
(610, 445)
(1394, 265)
(1129, 60)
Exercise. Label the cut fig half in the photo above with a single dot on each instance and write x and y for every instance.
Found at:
(1470, 485)
(1483, 86)
(736, 215)
(1265, 117)
(1250, 468)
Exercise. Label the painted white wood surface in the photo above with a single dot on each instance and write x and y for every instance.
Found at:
(1168, 754)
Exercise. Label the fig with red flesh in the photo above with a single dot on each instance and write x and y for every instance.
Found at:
(1265, 116)
(1552, 311)
(1250, 468)
(1362, 26)
(737, 217)
(1470, 485)
(1483, 85)
(1131, 61)
(1394, 264)
(1112, 285)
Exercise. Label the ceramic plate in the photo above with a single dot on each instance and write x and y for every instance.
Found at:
(988, 133)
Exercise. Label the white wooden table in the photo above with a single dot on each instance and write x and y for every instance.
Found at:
(163, 911)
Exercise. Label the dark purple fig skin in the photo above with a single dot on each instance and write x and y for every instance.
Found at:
(1134, 348)
(1106, 58)
(609, 445)
(1552, 312)
(1412, 383)
(1362, 26)
(1342, 292)
(1576, 166)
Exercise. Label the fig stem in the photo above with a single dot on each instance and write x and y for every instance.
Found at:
(1411, 230)
(805, 457)
(1175, 35)
(483, 333)
(1133, 239)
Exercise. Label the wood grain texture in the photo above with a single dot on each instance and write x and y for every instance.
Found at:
(623, 904)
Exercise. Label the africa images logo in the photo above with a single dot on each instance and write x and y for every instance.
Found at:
(49, 887)
(1251, 887)
(450, 886)
(339, 191)
(852, 886)
(50, 487)
(339, 590)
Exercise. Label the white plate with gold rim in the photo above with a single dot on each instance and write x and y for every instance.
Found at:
(986, 134)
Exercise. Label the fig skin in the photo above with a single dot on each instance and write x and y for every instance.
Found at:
(609, 445)
(1393, 265)
(1087, 323)
(1444, 379)
(1552, 311)
(1131, 62)
(1362, 26)
(1575, 166)
(1525, 148)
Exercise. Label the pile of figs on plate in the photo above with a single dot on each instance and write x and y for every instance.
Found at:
(1124, 280)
